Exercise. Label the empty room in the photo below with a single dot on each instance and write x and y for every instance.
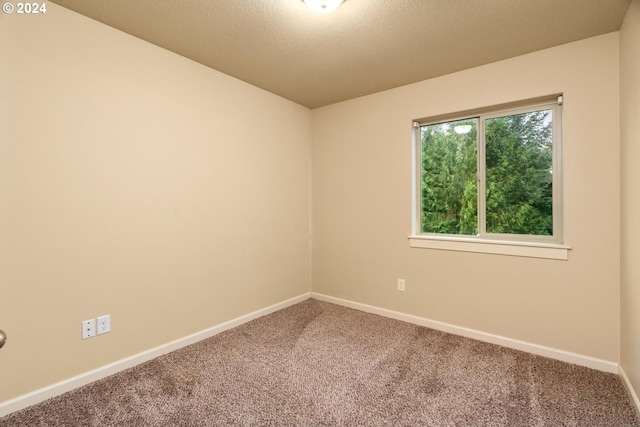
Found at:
(320, 212)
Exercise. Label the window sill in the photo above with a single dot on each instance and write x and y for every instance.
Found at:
(498, 247)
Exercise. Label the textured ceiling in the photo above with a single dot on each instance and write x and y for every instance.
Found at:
(364, 47)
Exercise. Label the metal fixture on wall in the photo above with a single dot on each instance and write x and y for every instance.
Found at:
(3, 338)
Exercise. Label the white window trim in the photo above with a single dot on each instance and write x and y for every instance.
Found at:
(547, 247)
(487, 246)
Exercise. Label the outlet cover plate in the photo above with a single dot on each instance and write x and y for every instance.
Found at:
(104, 324)
(88, 329)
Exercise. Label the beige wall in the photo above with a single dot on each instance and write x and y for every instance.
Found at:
(630, 135)
(137, 183)
(361, 172)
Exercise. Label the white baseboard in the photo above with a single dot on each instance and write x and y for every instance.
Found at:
(630, 389)
(565, 356)
(61, 387)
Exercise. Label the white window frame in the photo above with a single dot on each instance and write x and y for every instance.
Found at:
(549, 247)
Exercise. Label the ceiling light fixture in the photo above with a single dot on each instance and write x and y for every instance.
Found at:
(323, 6)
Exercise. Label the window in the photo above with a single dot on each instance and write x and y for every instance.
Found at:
(492, 177)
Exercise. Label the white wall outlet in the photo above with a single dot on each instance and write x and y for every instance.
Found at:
(104, 324)
(401, 285)
(88, 329)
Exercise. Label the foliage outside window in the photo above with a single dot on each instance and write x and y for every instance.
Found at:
(493, 175)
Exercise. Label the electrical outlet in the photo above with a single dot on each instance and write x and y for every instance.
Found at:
(401, 285)
(104, 324)
(88, 329)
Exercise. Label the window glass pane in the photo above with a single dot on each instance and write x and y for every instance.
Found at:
(519, 159)
(448, 178)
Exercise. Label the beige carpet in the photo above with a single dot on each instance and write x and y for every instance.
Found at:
(318, 364)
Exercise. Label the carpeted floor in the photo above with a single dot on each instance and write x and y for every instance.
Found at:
(318, 364)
